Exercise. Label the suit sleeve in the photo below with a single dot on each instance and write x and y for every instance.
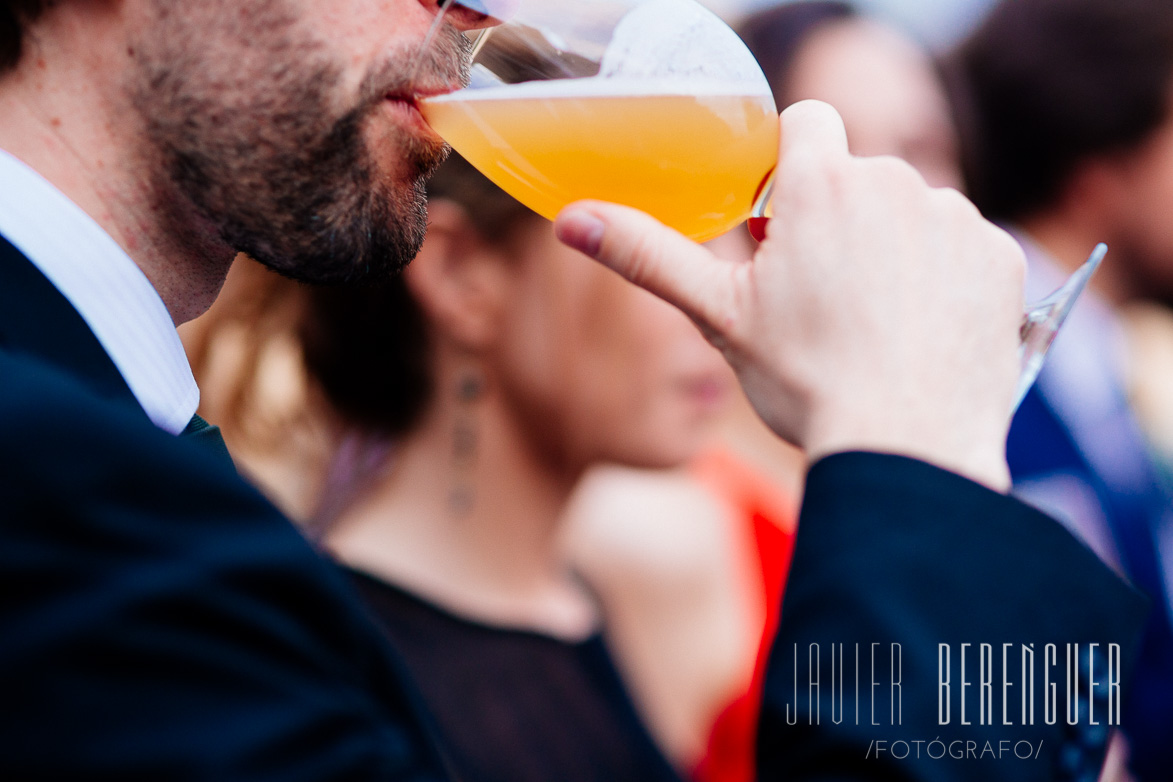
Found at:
(160, 621)
(902, 571)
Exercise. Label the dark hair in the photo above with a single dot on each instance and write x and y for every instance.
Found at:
(1044, 85)
(368, 347)
(775, 35)
(14, 16)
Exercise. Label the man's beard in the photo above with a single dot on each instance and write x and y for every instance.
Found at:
(243, 125)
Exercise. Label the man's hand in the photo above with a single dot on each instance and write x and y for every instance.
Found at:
(878, 314)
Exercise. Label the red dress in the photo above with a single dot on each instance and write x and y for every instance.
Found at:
(768, 518)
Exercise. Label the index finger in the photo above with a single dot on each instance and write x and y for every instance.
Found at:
(654, 257)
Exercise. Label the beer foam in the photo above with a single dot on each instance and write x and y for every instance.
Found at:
(678, 39)
(599, 87)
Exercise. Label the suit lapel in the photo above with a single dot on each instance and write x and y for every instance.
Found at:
(35, 319)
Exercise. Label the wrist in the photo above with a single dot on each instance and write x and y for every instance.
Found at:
(970, 448)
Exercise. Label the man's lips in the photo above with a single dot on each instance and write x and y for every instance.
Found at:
(405, 106)
(420, 92)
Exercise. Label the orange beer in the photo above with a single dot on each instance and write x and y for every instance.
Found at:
(694, 161)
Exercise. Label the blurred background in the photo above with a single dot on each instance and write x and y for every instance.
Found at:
(936, 23)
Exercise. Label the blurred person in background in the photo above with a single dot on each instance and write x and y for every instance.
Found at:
(884, 84)
(1148, 329)
(722, 532)
(460, 404)
(1069, 141)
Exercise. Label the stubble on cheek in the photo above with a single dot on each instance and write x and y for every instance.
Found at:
(255, 146)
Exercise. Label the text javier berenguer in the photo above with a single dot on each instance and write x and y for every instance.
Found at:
(977, 683)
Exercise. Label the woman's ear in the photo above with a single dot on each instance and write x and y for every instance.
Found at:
(459, 278)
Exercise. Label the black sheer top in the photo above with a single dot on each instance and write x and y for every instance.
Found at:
(516, 705)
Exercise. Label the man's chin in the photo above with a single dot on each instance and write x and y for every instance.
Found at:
(371, 227)
(363, 256)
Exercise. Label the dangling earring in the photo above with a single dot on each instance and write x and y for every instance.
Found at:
(470, 387)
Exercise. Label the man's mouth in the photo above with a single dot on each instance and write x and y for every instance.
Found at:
(407, 101)
(405, 106)
(419, 92)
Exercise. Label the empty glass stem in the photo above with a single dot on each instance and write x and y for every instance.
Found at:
(1043, 320)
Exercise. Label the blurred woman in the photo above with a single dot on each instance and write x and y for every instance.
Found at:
(463, 403)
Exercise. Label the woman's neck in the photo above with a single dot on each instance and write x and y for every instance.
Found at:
(468, 517)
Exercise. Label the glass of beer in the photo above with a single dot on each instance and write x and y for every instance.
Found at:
(654, 104)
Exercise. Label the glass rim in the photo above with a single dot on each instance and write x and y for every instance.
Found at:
(497, 10)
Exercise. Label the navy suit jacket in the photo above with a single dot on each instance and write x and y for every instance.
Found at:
(159, 620)
(1041, 445)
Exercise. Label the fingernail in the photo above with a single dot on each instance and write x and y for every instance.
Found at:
(581, 230)
(757, 228)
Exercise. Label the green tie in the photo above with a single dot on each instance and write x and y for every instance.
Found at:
(202, 431)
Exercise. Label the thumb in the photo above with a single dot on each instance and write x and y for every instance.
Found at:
(654, 257)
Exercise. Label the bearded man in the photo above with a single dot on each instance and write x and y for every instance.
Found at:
(160, 620)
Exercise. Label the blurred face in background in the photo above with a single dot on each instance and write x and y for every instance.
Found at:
(596, 369)
(1139, 191)
(887, 91)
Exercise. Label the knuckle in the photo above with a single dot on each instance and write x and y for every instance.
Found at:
(728, 314)
(836, 173)
(956, 203)
(804, 165)
(725, 322)
(893, 169)
(1009, 252)
(809, 179)
(643, 258)
(892, 179)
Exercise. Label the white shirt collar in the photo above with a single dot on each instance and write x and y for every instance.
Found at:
(105, 286)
